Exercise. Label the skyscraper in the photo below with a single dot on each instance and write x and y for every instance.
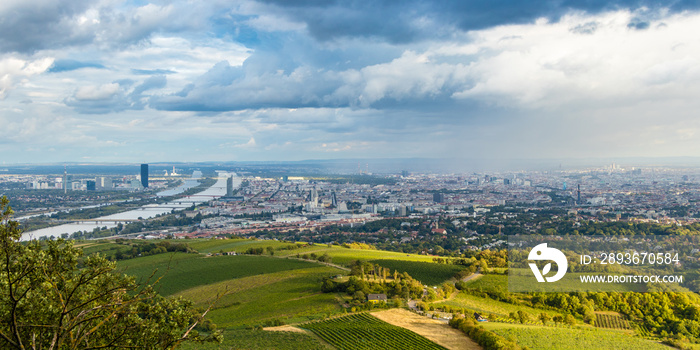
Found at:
(438, 197)
(229, 187)
(144, 175)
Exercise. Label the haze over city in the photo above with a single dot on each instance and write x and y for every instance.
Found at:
(115, 81)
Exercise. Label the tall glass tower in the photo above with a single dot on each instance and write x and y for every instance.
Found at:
(144, 175)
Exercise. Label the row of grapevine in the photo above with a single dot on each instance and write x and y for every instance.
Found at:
(364, 331)
(612, 322)
(644, 332)
(530, 323)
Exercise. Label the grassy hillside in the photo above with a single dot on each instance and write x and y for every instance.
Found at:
(340, 255)
(181, 271)
(262, 340)
(488, 306)
(364, 331)
(551, 338)
(289, 296)
(429, 273)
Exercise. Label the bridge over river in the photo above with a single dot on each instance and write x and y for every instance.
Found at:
(146, 212)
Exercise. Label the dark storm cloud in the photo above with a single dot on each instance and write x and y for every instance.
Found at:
(407, 21)
(30, 26)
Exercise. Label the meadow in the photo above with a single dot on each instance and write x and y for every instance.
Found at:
(181, 271)
(488, 306)
(262, 340)
(429, 273)
(289, 296)
(364, 331)
(551, 338)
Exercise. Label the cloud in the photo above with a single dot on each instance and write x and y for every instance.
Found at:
(540, 65)
(96, 93)
(113, 97)
(411, 21)
(12, 68)
(32, 26)
(256, 84)
(28, 26)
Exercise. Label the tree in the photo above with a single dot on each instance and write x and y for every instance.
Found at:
(558, 319)
(51, 297)
(544, 318)
(523, 316)
(570, 320)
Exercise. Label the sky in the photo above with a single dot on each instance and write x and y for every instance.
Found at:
(139, 81)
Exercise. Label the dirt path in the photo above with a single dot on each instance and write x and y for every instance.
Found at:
(476, 274)
(286, 328)
(429, 328)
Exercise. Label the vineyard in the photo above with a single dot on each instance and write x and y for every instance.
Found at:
(364, 331)
(428, 273)
(551, 338)
(612, 321)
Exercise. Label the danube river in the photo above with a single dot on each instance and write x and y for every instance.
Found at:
(145, 212)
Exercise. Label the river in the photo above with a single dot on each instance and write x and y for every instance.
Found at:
(147, 211)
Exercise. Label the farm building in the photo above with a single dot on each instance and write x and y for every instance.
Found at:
(375, 298)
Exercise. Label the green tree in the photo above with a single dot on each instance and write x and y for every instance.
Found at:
(558, 319)
(544, 318)
(51, 297)
(570, 320)
(523, 316)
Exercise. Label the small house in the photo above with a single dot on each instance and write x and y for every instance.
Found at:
(375, 298)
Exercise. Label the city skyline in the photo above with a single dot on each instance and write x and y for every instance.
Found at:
(144, 82)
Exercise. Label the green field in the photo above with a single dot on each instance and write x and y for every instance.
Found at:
(551, 338)
(488, 306)
(262, 340)
(228, 245)
(340, 255)
(521, 280)
(106, 248)
(497, 283)
(364, 331)
(290, 296)
(429, 273)
(183, 271)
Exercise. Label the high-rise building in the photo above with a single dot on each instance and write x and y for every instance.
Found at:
(90, 185)
(314, 197)
(105, 183)
(334, 200)
(438, 197)
(144, 175)
(65, 180)
(579, 194)
(229, 187)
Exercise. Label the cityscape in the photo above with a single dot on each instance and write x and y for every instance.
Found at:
(359, 175)
(609, 193)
